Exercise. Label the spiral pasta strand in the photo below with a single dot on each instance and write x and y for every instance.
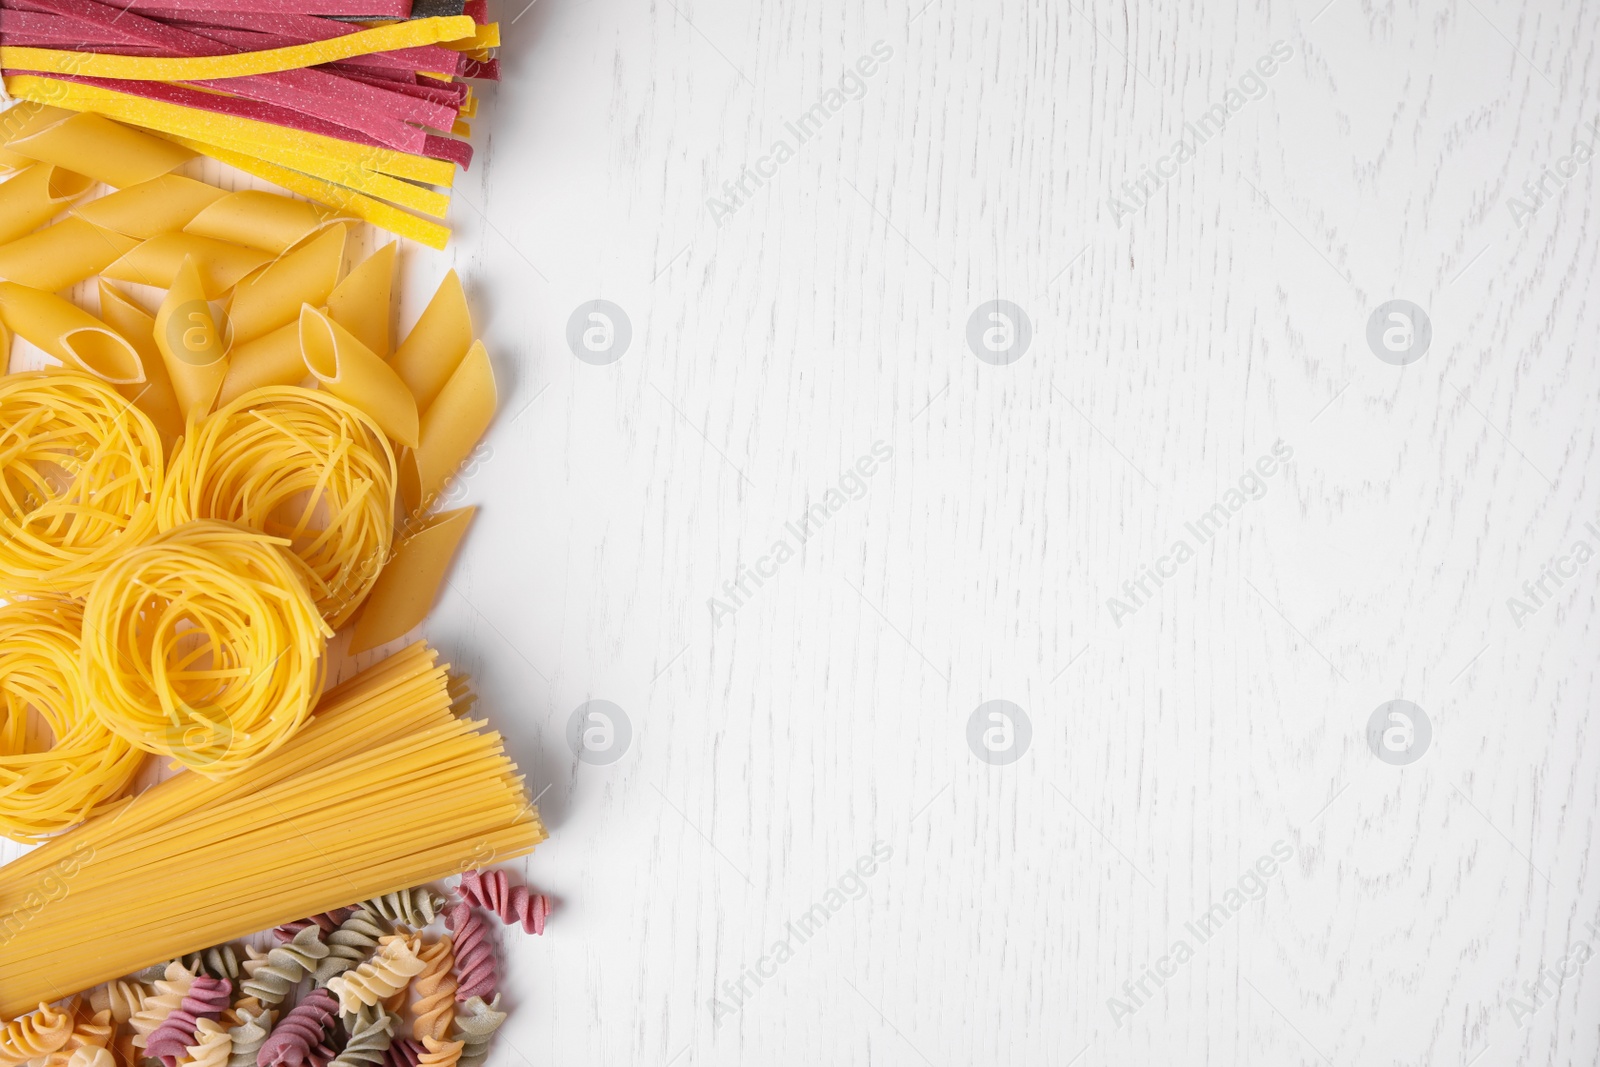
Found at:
(80, 471)
(369, 1042)
(167, 997)
(475, 1026)
(207, 999)
(48, 785)
(119, 996)
(34, 1035)
(435, 986)
(302, 1036)
(213, 1046)
(273, 974)
(220, 961)
(383, 976)
(415, 908)
(475, 967)
(203, 645)
(355, 939)
(493, 891)
(246, 1038)
(299, 464)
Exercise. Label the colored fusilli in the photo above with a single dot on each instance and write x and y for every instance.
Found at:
(207, 999)
(154, 1009)
(415, 908)
(273, 975)
(369, 1042)
(213, 1046)
(34, 1035)
(249, 1034)
(301, 1037)
(475, 967)
(475, 1025)
(493, 891)
(435, 986)
(381, 977)
(354, 941)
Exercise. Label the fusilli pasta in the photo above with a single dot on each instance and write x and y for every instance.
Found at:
(475, 968)
(273, 974)
(34, 1035)
(435, 987)
(354, 941)
(249, 1034)
(219, 962)
(439, 1053)
(207, 999)
(302, 1036)
(414, 907)
(213, 1046)
(154, 1009)
(474, 1027)
(369, 1042)
(383, 976)
(120, 997)
(493, 891)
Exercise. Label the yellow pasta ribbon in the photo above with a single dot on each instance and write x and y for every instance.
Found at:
(199, 68)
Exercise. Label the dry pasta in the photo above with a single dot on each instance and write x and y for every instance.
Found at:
(80, 469)
(203, 645)
(385, 787)
(50, 783)
(300, 465)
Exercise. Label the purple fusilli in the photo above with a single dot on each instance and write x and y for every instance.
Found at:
(300, 1040)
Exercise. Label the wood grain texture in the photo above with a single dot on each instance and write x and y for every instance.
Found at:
(772, 748)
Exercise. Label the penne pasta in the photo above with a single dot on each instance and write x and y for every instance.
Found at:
(258, 219)
(449, 430)
(271, 359)
(351, 371)
(99, 148)
(58, 256)
(70, 334)
(190, 342)
(436, 344)
(220, 265)
(155, 397)
(35, 196)
(362, 302)
(271, 297)
(157, 206)
(409, 583)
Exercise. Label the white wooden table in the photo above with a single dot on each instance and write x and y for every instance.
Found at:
(1180, 845)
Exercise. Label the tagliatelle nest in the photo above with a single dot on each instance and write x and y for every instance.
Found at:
(301, 465)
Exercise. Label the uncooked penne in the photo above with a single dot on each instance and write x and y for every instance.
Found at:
(191, 343)
(436, 344)
(157, 206)
(37, 195)
(70, 334)
(409, 583)
(61, 255)
(450, 429)
(99, 148)
(220, 265)
(351, 371)
(263, 220)
(155, 397)
(271, 297)
(362, 302)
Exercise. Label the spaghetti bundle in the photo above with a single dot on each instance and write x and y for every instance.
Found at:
(203, 645)
(46, 786)
(79, 471)
(301, 465)
(385, 788)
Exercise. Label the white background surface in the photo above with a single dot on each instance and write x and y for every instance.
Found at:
(1168, 753)
(830, 712)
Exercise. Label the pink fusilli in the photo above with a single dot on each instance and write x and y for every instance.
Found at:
(207, 998)
(475, 969)
(493, 891)
(300, 1040)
